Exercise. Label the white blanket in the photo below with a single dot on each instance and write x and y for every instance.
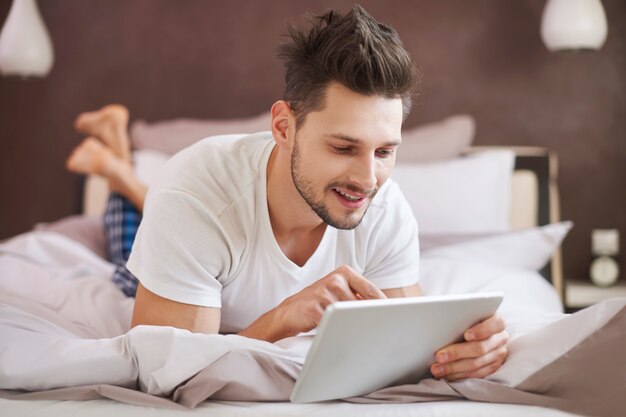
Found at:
(64, 324)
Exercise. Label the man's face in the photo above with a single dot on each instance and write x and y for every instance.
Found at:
(344, 153)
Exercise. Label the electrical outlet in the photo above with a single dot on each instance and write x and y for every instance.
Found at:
(604, 242)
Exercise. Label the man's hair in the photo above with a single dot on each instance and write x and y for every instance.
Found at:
(353, 50)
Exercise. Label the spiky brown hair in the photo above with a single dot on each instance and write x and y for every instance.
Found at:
(354, 50)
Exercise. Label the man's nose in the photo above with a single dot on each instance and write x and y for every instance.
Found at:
(364, 173)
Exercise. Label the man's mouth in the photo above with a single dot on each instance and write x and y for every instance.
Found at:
(350, 199)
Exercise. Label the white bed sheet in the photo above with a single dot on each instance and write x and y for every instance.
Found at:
(527, 305)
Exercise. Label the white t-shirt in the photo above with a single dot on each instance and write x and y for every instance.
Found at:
(206, 239)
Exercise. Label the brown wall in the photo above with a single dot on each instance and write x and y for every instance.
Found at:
(212, 59)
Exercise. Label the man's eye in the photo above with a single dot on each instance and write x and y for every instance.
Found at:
(340, 149)
(384, 153)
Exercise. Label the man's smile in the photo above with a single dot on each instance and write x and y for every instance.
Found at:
(350, 199)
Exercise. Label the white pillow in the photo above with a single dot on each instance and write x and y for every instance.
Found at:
(470, 194)
(523, 249)
(148, 165)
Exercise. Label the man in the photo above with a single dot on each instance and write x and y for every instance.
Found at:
(259, 235)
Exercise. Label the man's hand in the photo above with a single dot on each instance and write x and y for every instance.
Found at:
(303, 311)
(482, 353)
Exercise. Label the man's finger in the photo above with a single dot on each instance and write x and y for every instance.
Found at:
(485, 328)
(366, 289)
(479, 373)
(469, 365)
(337, 287)
(466, 350)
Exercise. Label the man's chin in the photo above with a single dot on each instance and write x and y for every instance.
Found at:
(345, 226)
(345, 222)
(336, 215)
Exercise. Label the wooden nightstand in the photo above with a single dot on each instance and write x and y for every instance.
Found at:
(580, 294)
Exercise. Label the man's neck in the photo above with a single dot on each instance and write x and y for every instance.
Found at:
(297, 228)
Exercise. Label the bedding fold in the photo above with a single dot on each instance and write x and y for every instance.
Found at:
(64, 334)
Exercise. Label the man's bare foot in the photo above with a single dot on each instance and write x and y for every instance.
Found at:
(93, 157)
(109, 124)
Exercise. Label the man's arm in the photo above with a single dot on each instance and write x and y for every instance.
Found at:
(482, 353)
(155, 310)
(303, 311)
(410, 291)
(299, 313)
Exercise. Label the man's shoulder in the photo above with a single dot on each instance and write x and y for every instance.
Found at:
(218, 169)
(243, 149)
(386, 239)
(388, 211)
(388, 198)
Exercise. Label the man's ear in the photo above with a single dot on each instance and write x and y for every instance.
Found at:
(283, 122)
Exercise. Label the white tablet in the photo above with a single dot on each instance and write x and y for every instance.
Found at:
(363, 346)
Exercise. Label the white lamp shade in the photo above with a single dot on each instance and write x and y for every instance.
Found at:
(25, 45)
(573, 24)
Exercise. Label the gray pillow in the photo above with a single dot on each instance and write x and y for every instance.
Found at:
(444, 139)
(170, 136)
(437, 141)
(88, 230)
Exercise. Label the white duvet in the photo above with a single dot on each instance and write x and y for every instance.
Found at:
(63, 324)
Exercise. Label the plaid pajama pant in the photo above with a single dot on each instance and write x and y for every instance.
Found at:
(121, 221)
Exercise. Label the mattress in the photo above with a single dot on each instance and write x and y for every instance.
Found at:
(106, 408)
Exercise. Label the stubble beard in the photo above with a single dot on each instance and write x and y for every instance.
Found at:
(306, 190)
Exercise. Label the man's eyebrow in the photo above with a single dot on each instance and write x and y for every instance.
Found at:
(356, 141)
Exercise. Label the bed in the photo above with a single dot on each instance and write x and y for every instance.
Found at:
(491, 222)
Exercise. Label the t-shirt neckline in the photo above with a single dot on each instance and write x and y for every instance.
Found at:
(268, 233)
